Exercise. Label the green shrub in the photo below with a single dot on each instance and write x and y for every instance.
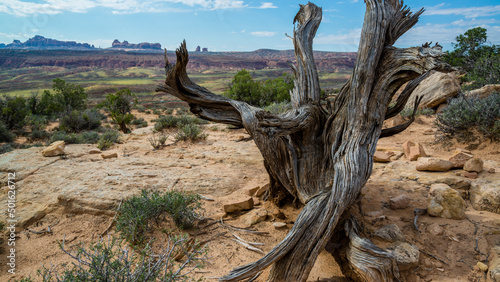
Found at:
(156, 112)
(86, 137)
(77, 121)
(107, 139)
(244, 88)
(165, 122)
(158, 141)
(5, 134)
(140, 108)
(13, 111)
(6, 148)
(38, 134)
(191, 132)
(136, 215)
(278, 108)
(464, 117)
(120, 107)
(68, 96)
(407, 112)
(139, 122)
(114, 261)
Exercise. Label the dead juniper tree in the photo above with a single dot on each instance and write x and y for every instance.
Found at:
(323, 156)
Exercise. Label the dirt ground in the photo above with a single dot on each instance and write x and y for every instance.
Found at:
(220, 166)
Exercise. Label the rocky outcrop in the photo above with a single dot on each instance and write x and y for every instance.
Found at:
(407, 256)
(484, 91)
(474, 165)
(144, 45)
(41, 43)
(445, 202)
(435, 89)
(485, 196)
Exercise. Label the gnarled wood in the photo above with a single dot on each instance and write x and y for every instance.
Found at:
(323, 157)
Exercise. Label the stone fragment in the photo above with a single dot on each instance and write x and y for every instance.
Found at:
(109, 155)
(390, 233)
(254, 216)
(460, 157)
(381, 157)
(400, 202)
(395, 121)
(482, 266)
(474, 165)
(54, 149)
(435, 230)
(485, 196)
(279, 225)
(457, 183)
(416, 152)
(261, 190)
(433, 164)
(234, 203)
(250, 191)
(493, 274)
(406, 148)
(407, 256)
(471, 175)
(256, 201)
(445, 202)
(94, 151)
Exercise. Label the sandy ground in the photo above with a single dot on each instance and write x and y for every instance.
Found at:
(220, 166)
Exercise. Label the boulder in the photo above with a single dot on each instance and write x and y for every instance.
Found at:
(237, 202)
(435, 89)
(460, 157)
(279, 225)
(399, 202)
(433, 164)
(54, 149)
(485, 196)
(407, 256)
(254, 216)
(458, 183)
(445, 202)
(381, 157)
(390, 233)
(484, 91)
(493, 274)
(474, 165)
(94, 151)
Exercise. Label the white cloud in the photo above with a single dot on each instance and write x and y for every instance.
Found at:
(350, 38)
(474, 22)
(52, 7)
(267, 5)
(469, 12)
(263, 33)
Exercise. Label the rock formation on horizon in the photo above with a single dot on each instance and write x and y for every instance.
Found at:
(144, 45)
(41, 43)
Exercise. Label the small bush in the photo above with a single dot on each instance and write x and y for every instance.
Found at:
(107, 139)
(140, 108)
(464, 117)
(6, 148)
(407, 112)
(157, 112)
(139, 122)
(120, 107)
(5, 134)
(191, 132)
(86, 137)
(38, 134)
(278, 108)
(77, 121)
(158, 141)
(136, 215)
(113, 261)
(13, 111)
(165, 122)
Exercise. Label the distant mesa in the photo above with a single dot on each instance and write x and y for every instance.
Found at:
(198, 49)
(41, 43)
(142, 46)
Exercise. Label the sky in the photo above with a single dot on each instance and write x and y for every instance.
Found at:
(225, 25)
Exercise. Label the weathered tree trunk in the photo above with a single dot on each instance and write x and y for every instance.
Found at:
(323, 157)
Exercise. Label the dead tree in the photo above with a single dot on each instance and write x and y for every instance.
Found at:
(323, 156)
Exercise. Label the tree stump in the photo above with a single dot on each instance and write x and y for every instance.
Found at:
(323, 156)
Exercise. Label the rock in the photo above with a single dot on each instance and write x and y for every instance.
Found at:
(395, 121)
(54, 149)
(413, 151)
(445, 202)
(251, 191)
(484, 91)
(459, 158)
(256, 201)
(485, 196)
(435, 89)
(471, 175)
(262, 190)
(390, 233)
(109, 155)
(482, 266)
(94, 151)
(435, 230)
(254, 216)
(234, 203)
(493, 274)
(381, 157)
(399, 202)
(279, 225)
(474, 165)
(433, 164)
(407, 256)
(457, 183)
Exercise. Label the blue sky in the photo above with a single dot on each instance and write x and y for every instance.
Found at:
(225, 25)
